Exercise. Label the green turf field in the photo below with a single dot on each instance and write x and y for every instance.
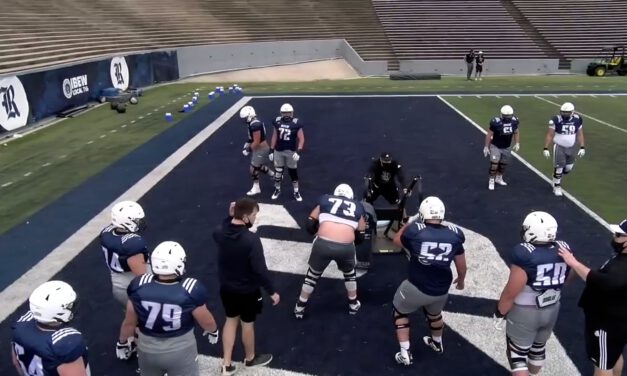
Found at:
(40, 167)
(598, 179)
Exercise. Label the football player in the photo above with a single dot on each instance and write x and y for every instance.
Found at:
(382, 177)
(565, 132)
(531, 298)
(498, 144)
(338, 223)
(288, 140)
(43, 344)
(164, 306)
(256, 146)
(125, 251)
(432, 247)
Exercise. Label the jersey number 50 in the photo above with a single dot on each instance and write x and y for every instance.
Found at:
(35, 368)
(550, 274)
(170, 313)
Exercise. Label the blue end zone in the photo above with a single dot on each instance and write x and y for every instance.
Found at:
(342, 135)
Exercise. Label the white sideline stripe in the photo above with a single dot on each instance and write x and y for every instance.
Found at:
(453, 94)
(16, 293)
(6, 184)
(28, 174)
(583, 207)
(588, 116)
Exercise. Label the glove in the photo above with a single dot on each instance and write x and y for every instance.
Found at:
(271, 155)
(546, 153)
(212, 336)
(295, 157)
(516, 147)
(486, 151)
(125, 350)
(581, 152)
(498, 319)
(246, 152)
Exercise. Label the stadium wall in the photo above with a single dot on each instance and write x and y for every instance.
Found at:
(491, 67)
(197, 60)
(30, 97)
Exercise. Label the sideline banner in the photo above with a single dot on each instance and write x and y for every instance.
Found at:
(32, 97)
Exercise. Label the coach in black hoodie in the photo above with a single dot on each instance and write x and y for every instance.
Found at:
(243, 272)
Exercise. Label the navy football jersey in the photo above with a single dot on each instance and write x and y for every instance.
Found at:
(503, 131)
(287, 132)
(40, 351)
(432, 248)
(119, 247)
(544, 267)
(256, 126)
(566, 129)
(340, 210)
(165, 309)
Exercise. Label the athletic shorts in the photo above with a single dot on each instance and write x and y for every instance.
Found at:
(529, 324)
(408, 299)
(604, 344)
(284, 158)
(324, 251)
(564, 156)
(246, 306)
(500, 155)
(259, 156)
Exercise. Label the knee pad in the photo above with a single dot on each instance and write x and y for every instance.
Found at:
(568, 168)
(278, 173)
(254, 173)
(311, 278)
(501, 167)
(293, 174)
(397, 316)
(557, 172)
(537, 354)
(493, 168)
(516, 356)
(350, 280)
(432, 319)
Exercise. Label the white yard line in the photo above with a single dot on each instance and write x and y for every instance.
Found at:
(587, 116)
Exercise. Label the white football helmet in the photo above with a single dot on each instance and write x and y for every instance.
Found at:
(539, 226)
(247, 113)
(567, 109)
(431, 208)
(168, 258)
(286, 107)
(53, 302)
(128, 215)
(507, 111)
(344, 190)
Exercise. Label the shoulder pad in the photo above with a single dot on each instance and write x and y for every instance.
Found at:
(453, 228)
(107, 229)
(420, 226)
(295, 120)
(189, 284)
(145, 279)
(128, 237)
(62, 333)
(28, 316)
(528, 246)
(495, 120)
(278, 119)
(563, 244)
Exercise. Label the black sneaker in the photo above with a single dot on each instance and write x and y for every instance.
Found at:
(259, 360)
(228, 370)
(297, 196)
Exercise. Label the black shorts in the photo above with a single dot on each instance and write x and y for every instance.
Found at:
(246, 306)
(479, 68)
(604, 344)
(388, 191)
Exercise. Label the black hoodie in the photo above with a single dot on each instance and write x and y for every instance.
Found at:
(242, 265)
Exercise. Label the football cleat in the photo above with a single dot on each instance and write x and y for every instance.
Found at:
(353, 308)
(499, 180)
(406, 359)
(491, 184)
(255, 190)
(557, 191)
(299, 311)
(434, 345)
(276, 193)
(297, 196)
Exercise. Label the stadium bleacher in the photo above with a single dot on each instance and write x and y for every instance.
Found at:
(38, 33)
